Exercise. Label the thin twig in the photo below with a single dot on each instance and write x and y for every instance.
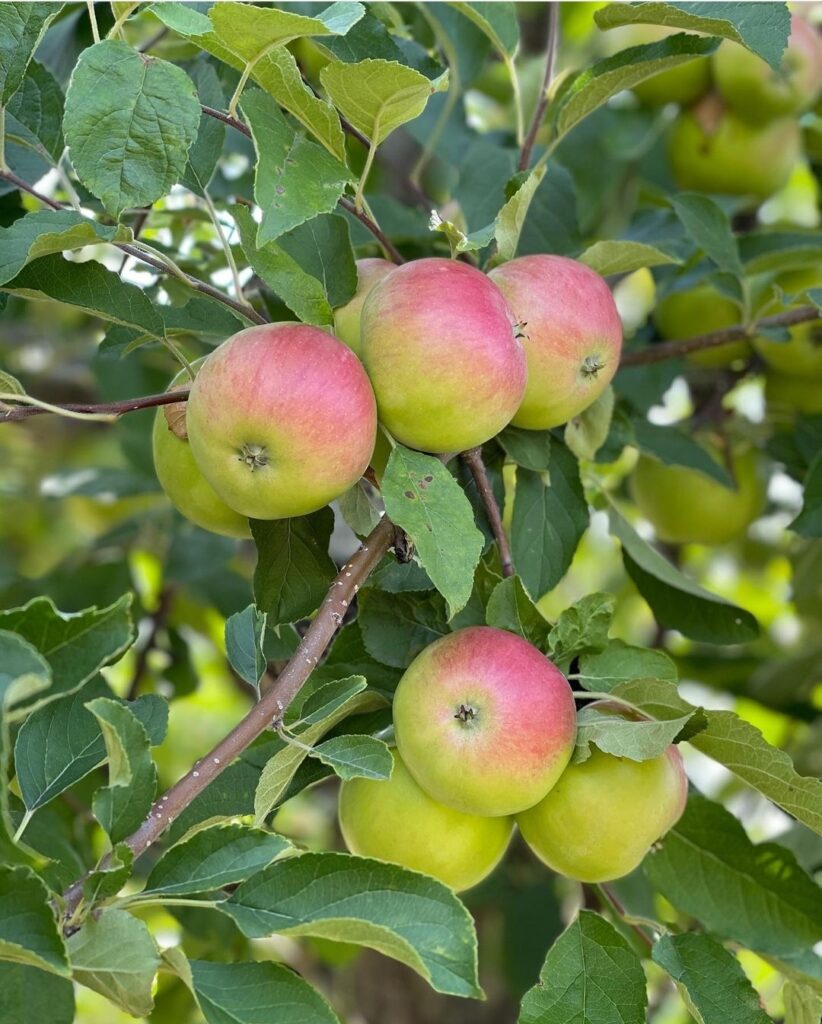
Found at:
(11, 415)
(473, 459)
(234, 122)
(158, 622)
(551, 46)
(609, 899)
(269, 710)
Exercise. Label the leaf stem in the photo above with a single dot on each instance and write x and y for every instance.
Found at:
(369, 160)
(551, 46)
(92, 17)
(21, 828)
(229, 255)
(134, 901)
(512, 74)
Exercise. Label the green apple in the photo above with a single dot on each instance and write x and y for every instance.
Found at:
(682, 84)
(184, 484)
(788, 396)
(484, 722)
(397, 821)
(725, 154)
(801, 355)
(604, 814)
(696, 311)
(347, 317)
(758, 93)
(686, 506)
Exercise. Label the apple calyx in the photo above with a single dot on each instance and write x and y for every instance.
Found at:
(254, 456)
(466, 713)
(591, 365)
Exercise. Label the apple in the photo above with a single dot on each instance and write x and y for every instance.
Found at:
(686, 506)
(696, 311)
(281, 420)
(757, 93)
(399, 822)
(185, 486)
(571, 331)
(682, 84)
(787, 396)
(347, 317)
(484, 722)
(440, 347)
(731, 156)
(801, 355)
(604, 814)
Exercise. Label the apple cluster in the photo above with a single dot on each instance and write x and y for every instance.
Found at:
(283, 418)
(485, 727)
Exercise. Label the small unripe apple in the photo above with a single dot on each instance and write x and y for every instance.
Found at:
(484, 722)
(281, 420)
(786, 397)
(439, 345)
(185, 486)
(758, 93)
(571, 331)
(700, 310)
(682, 84)
(801, 355)
(347, 317)
(731, 156)
(686, 506)
(604, 814)
(397, 821)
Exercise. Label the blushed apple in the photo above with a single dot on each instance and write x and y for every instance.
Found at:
(347, 317)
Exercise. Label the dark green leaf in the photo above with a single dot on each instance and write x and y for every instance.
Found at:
(498, 22)
(708, 225)
(21, 28)
(370, 38)
(530, 449)
(582, 627)
(28, 994)
(28, 929)
(244, 634)
(677, 448)
(204, 154)
(509, 607)
(396, 627)
(35, 112)
(322, 247)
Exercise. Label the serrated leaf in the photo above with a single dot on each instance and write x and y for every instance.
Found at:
(590, 974)
(423, 499)
(809, 521)
(623, 256)
(587, 432)
(357, 510)
(765, 31)
(212, 858)
(678, 448)
(497, 22)
(28, 994)
(293, 568)
(618, 663)
(676, 601)
(709, 227)
(122, 805)
(396, 627)
(35, 112)
(511, 218)
(356, 757)
(28, 929)
(322, 248)
(582, 627)
(244, 633)
(370, 38)
(294, 179)
(757, 895)
(130, 121)
(716, 985)
(400, 913)
(22, 26)
(509, 607)
(250, 32)
(638, 740)
(115, 955)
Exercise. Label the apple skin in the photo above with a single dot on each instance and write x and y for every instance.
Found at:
(572, 335)
(185, 486)
(735, 158)
(281, 420)
(755, 91)
(686, 506)
(604, 814)
(786, 397)
(397, 821)
(347, 317)
(682, 84)
(801, 356)
(507, 755)
(699, 310)
(439, 345)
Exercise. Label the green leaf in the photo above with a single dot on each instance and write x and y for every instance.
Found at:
(115, 955)
(301, 292)
(763, 30)
(44, 232)
(396, 627)
(678, 448)
(294, 179)
(802, 1004)
(294, 568)
(35, 112)
(624, 256)
(755, 895)
(530, 449)
(716, 985)
(322, 247)
(809, 521)
(581, 627)
(376, 96)
(709, 227)
(583, 92)
(400, 913)
(358, 512)
(425, 500)
(28, 929)
(122, 806)
(620, 663)
(591, 974)
(76, 645)
(212, 858)
(550, 517)
(624, 737)
(370, 38)
(130, 121)
(356, 757)
(511, 218)
(109, 878)
(22, 26)
(509, 607)
(676, 601)
(28, 994)
(586, 433)
(244, 632)
(249, 993)
(498, 22)
(208, 146)
(250, 31)
(60, 743)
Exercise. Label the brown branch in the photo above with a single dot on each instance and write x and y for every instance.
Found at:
(233, 122)
(24, 412)
(674, 349)
(473, 459)
(551, 46)
(390, 249)
(269, 710)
